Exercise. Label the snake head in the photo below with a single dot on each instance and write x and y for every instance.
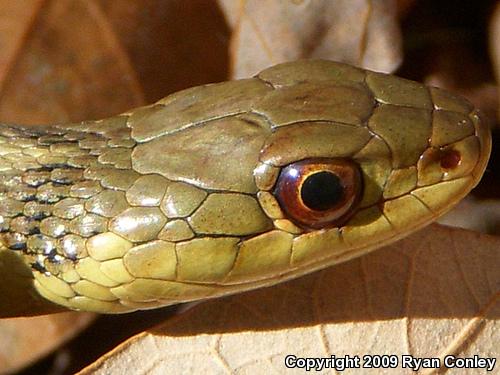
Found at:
(227, 187)
(418, 150)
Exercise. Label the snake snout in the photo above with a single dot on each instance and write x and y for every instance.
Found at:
(459, 150)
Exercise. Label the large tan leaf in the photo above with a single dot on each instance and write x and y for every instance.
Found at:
(41, 335)
(267, 32)
(433, 294)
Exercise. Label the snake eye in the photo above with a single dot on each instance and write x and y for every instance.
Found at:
(319, 193)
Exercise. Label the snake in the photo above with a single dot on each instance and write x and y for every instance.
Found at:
(227, 187)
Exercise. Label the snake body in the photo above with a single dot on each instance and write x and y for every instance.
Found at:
(174, 201)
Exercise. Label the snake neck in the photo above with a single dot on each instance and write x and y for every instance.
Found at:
(49, 180)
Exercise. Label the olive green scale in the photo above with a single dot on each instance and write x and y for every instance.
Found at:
(173, 202)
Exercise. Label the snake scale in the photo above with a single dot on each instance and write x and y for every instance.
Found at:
(227, 187)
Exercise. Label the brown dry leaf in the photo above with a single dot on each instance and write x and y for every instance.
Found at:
(69, 65)
(482, 215)
(495, 48)
(267, 32)
(15, 23)
(433, 294)
(172, 44)
(18, 296)
(41, 335)
(405, 7)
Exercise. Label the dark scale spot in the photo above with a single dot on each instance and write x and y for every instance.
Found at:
(14, 241)
(40, 216)
(321, 191)
(61, 182)
(38, 267)
(52, 256)
(47, 140)
(51, 166)
(18, 246)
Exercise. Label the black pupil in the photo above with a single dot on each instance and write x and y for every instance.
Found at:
(322, 191)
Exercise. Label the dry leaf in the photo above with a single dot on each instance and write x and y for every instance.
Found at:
(66, 73)
(434, 294)
(41, 335)
(405, 6)
(267, 32)
(15, 24)
(18, 295)
(495, 47)
(172, 44)
(482, 215)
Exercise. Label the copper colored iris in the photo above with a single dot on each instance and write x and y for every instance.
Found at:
(319, 193)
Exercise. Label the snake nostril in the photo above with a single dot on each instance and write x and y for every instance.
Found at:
(450, 159)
